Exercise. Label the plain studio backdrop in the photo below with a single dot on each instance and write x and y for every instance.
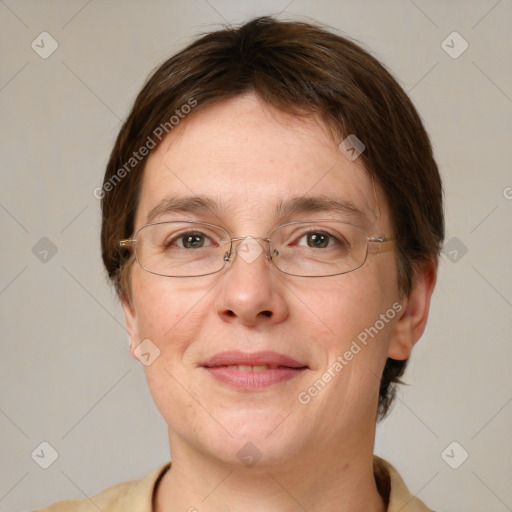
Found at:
(70, 72)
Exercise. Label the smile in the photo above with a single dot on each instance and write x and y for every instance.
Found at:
(248, 368)
(252, 372)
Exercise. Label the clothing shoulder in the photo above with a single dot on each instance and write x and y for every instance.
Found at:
(108, 500)
(134, 495)
(400, 498)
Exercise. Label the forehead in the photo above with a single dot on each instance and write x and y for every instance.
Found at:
(241, 161)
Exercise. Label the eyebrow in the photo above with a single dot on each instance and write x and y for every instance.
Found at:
(324, 204)
(185, 204)
(286, 208)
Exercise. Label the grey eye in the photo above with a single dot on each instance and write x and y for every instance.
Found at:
(191, 241)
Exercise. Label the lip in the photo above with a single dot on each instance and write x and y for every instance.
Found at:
(281, 368)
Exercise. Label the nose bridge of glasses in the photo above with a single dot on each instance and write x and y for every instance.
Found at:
(248, 248)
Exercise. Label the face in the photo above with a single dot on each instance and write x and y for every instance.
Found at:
(315, 385)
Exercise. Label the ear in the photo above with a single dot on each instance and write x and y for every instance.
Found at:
(130, 319)
(414, 313)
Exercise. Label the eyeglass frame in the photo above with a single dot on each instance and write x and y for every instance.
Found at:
(132, 242)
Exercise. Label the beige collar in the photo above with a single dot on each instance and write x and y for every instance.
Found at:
(138, 494)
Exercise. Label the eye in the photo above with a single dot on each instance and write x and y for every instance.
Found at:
(194, 241)
(189, 240)
(320, 240)
(317, 240)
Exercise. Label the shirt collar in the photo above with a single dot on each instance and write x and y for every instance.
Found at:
(140, 494)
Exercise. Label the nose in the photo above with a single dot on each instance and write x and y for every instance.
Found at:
(251, 292)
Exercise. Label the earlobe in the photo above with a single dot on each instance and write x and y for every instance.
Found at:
(131, 326)
(414, 313)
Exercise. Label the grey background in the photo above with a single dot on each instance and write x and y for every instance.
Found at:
(65, 372)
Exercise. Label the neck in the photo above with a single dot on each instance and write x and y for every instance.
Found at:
(309, 481)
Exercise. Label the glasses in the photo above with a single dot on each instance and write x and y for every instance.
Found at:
(318, 248)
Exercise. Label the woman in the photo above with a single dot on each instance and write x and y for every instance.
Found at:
(272, 218)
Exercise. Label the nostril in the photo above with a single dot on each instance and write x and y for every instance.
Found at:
(266, 313)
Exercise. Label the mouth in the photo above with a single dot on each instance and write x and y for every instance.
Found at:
(253, 371)
(249, 368)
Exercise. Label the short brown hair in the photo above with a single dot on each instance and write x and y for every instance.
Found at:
(297, 68)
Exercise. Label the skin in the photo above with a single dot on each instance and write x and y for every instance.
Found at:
(248, 157)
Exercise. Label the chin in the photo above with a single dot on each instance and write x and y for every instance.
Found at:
(255, 443)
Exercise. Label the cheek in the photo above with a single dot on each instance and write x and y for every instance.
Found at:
(350, 306)
(169, 313)
(356, 310)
